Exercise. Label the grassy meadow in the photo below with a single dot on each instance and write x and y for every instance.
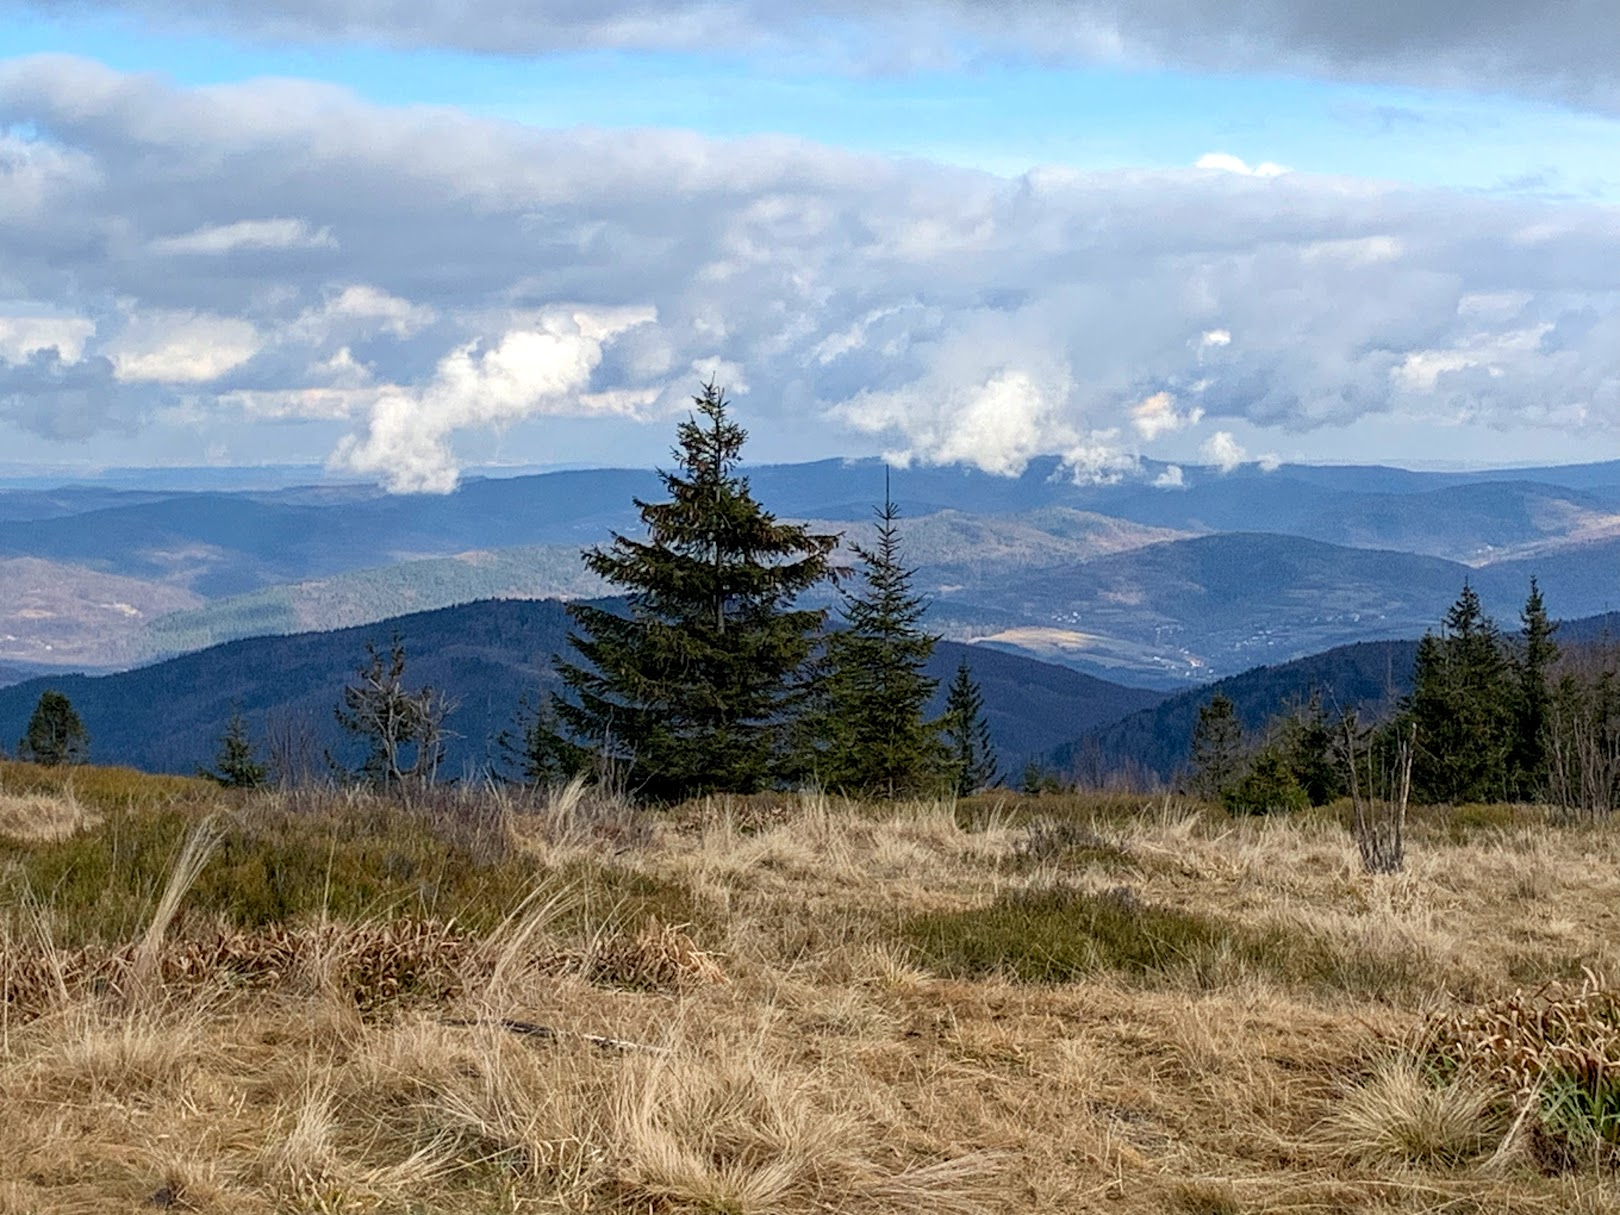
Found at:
(485, 1001)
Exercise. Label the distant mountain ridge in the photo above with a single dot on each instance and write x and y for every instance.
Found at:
(1163, 587)
(169, 716)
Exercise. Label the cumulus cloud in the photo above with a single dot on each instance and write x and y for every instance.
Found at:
(21, 337)
(479, 273)
(1227, 455)
(1223, 451)
(543, 369)
(1170, 478)
(181, 347)
(1565, 51)
(1157, 415)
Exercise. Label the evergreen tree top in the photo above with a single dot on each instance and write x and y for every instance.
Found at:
(712, 552)
(1466, 617)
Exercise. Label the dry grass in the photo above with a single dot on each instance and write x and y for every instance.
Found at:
(738, 1016)
(35, 817)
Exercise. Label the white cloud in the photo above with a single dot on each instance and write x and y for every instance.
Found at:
(1227, 163)
(1157, 415)
(538, 370)
(999, 422)
(1223, 451)
(1171, 478)
(1227, 455)
(181, 347)
(220, 239)
(962, 317)
(22, 336)
(1421, 370)
(1100, 460)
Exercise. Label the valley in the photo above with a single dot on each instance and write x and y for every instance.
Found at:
(1167, 588)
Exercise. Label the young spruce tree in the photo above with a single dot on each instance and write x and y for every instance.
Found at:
(875, 742)
(237, 766)
(695, 689)
(1462, 705)
(55, 735)
(1538, 652)
(970, 757)
(1217, 748)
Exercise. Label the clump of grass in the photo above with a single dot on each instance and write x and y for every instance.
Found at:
(367, 861)
(1557, 1052)
(656, 957)
(36, 817)
(373, 966)
(1060, 933)
(1069, 844)
(1404, 1115)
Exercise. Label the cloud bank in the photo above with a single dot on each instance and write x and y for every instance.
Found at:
(1565, 51)
(275, 252)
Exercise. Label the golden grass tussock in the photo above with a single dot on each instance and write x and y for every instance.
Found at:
(42, 817)
(493, 1001)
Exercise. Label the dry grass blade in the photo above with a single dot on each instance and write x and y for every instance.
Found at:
(199, 846)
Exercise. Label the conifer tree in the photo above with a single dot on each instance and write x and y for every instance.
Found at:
(1538, 652)
(536, 749)
(237, 765)
(1217, 748)
(695, 689)
(970, 757)
(1462, 705)
(54, 734)
(1310, 745)
(875, 742)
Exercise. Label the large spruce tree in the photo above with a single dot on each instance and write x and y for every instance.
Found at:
(1462, 705)
(695, 688)
(875, 742)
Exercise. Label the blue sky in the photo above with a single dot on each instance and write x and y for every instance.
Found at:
(968, 247)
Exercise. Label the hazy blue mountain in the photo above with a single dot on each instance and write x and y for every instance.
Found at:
(24, 505)
(1031, 560)
(1155, 742)
(169, 716)
(1193, 609)
(1578, 580)
(228, 543)
(1483, 521)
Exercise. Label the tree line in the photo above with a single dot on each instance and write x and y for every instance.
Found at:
(716, 677)
(1491, 717)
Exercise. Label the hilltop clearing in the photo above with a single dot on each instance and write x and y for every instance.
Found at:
(475, 1004)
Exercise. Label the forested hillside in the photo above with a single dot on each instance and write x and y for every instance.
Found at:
(169, 717)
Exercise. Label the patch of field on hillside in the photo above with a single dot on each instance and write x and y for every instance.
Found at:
(486, 1002)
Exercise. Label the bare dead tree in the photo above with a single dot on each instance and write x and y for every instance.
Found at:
(403, 730)
(1380, 786)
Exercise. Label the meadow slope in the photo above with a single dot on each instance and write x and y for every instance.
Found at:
(485, 1002)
